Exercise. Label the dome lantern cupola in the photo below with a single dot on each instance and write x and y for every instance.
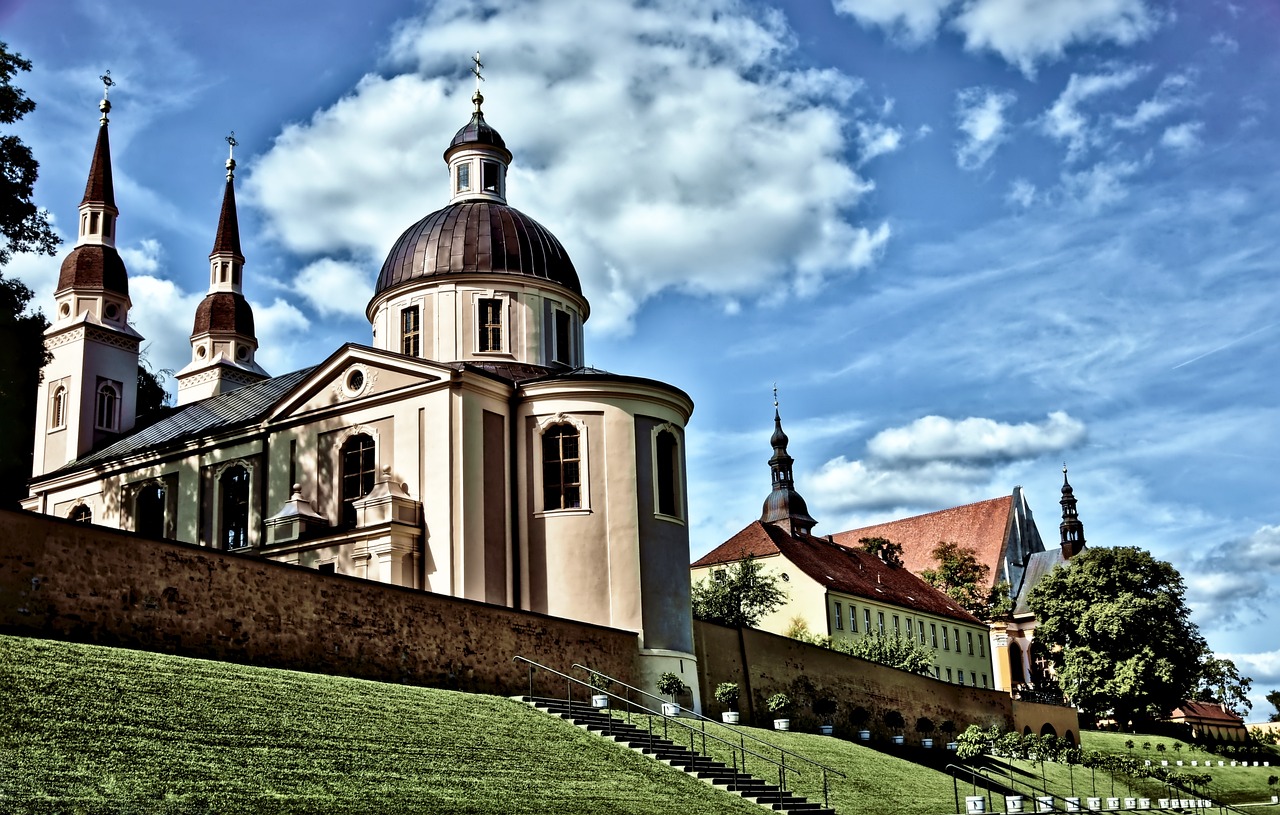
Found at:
(477, 157)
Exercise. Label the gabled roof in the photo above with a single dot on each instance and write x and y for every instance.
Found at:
(1039, 565)
(839, 568)
(1206, 712)
(237, 408)
(982, 527)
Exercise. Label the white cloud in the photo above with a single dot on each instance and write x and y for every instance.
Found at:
(1235, 581)
(334, 288)
(1065, 121)
(1225, 42)
(144, 259)
(1182, 138)
(1171, 95)
(975, 439)
(698, 167)
(282, 336)
(164, 314)
(980, 116)
(842, 485)
(1101, 185)
(1026, 32)
(1022, 193)
(877, 139)
(911, 21)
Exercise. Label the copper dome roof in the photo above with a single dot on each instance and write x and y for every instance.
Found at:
(477, 131)
(224, 311)
(94, 266)
(477, 237)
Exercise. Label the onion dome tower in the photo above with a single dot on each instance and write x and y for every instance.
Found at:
(223, 342)
(1072, 530)
(478, 280)
(89, 390)
(784, 506)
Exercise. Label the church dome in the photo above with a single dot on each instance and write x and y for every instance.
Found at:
(477, 131)
(477, 237)
(224, 311)
(94, 266)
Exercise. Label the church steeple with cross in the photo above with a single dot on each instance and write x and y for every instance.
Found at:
(784, 506)
(477, 157)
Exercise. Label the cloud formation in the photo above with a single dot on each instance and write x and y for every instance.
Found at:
(708, 166)
(321, 280)
(980, 117)
(1023, 33)
(1236, 579)
(937, 438)
(1065, 120)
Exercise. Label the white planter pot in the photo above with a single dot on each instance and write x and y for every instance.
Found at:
(1073, 804)
(826, 729)
(864, 735)
(1144, 803)
(975, 804)
(1044, 803)
(599, 700)
(1113, 803)
(1131, 803)
(1013, 804)
(781, 724)
(730, 716)
(898, 739)
(1094, 804)
(669, 709)
(953, 746)
(1162, 803)
(926, 743)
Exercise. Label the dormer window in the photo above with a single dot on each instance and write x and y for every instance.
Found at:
(490, 177)
(464, 177)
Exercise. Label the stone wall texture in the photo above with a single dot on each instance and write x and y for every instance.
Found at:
(68, 581)
(763, 664)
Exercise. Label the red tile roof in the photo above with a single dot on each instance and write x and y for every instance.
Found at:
(982, 527)
(1206, 712)
(839, 568)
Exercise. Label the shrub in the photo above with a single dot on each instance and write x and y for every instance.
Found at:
(1129, 743)
(727, 694)
(947, 726)
(599, 681)
(859, 716)
(924, 725)
(779, 703)
(894, 721)
(670, 685)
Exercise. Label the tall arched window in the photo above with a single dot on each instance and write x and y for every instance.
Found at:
(81, 514)
(148, 511)
(108, 406)
(667, 476)
(59, 407)
(234, 486)
(358, 464)
(561, 468)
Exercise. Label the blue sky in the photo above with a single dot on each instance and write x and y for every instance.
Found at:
(968, 239)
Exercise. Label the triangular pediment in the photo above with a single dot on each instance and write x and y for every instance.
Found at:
(354, 374)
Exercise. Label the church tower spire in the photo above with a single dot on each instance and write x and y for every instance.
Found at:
(88, 395)
(478, 157)
(1071, 528)
(223, 342)
(784, 506)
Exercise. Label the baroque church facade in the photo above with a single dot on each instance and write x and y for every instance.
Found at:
(466, 451)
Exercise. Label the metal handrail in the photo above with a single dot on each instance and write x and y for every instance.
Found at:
(734, 748)
(741, 734)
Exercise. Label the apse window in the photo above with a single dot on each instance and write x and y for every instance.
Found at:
(234, 485)
(108, 407)
(561, 468)
(410, 332)
(357, 460)
(464, 177)
(490, 324)
(667, 482)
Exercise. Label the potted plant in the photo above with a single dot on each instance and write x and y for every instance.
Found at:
(601, 683)
(727, 695)
(924, 726)
(894, 721)
(858, 718)
(778, 705)
(670, 685)
(948, 729)
(826, 710)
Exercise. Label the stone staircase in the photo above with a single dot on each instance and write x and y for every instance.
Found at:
(702, 767)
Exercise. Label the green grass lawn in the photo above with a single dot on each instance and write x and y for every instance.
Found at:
(85, 729)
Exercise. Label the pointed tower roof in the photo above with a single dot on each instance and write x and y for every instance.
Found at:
(784, 505)
(99, 189)
(227, 241)
(1072, 530)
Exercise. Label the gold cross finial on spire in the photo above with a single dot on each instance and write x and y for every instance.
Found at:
(231, 155)
(105, 104)
(477, 97)
(775, 395)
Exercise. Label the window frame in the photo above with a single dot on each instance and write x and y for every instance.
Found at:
(462, 176)
(347, 515)
(839, 617)
(545, 424)
(141, 491)
(562, 346)
(81, 513)
(106, 401)
(58, 407)
(481, 333)
(880, 622)
(672, 468)
(243, 514)
(411, 335)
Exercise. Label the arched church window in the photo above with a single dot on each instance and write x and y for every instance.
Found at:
(108, 406)
(234, 487)
(668, 474)
(60, 407)
(81, 514)
(561, 468)
(148, 511)
(357, 474)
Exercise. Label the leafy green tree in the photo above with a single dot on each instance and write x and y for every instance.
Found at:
(959, 576)
(799, 629)
(1221, 682)
(883, 548)
(1119, 633)
(737, 596)
(1274, 699)
(23, 228)
(905, 653)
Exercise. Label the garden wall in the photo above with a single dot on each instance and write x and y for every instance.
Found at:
(763, 664)
(88, 584)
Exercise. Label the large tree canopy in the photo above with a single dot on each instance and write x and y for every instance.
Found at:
(1119, 633)
(737, 596)
(1221, 682)
(23, 228)
(963, 578)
